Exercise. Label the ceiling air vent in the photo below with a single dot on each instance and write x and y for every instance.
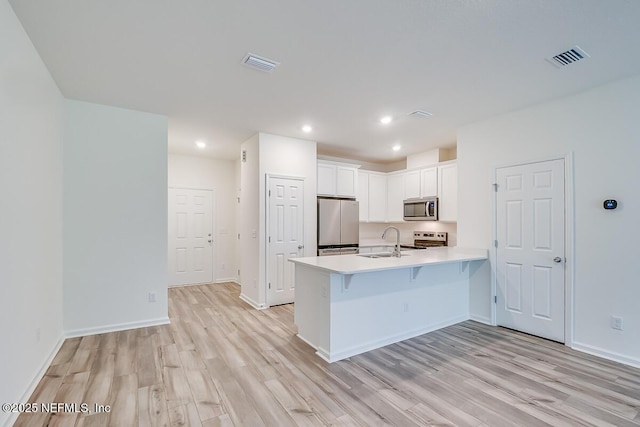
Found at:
(420, 113)
(259, 63)
(570, 56)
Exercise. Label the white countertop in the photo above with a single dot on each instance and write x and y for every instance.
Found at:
(351, 264)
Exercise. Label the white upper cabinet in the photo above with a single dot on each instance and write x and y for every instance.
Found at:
(363, 195)
(372, 195)
(429, 182)
(448, 192)
(337, 179)
(381, 195)
(395, 197)
(346, 181)
(412, 184)
(326, 179)
(420, 183)
(377, 197)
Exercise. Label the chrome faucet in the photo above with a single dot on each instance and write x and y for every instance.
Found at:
(396, 250)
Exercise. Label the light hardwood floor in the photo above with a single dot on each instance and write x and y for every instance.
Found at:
(222, 363)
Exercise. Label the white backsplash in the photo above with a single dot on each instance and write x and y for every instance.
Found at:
(373, 231)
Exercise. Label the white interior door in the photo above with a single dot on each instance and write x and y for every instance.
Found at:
(190, 236)
(530, 264)
(285, 237)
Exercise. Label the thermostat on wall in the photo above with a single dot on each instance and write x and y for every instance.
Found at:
(610, 204)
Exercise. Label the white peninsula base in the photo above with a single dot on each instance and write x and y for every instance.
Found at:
(343, 312)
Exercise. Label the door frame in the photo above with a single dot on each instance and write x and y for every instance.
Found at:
(267, 218)
(569, 233)
(214, 243)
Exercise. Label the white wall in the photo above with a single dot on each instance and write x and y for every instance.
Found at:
(276, 155)
(115, 218)
(30, 213)
(601, 128)
(249, 220)
(219, 176)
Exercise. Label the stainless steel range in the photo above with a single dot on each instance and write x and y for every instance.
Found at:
(429, 239)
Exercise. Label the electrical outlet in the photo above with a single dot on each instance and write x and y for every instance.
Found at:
(616, 323)
(152, 297)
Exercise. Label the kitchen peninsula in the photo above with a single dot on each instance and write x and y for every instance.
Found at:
(349, 304)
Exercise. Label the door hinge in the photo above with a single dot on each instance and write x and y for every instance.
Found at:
(495, 243)
(238, 236)
(495, 299)
(495, 187)
(269, 285)
(269, 193)
(269, 239)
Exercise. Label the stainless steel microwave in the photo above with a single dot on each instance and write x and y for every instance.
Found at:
(421, 209)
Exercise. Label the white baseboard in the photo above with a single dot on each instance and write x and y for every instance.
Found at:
(334, 356)
(227, 280)
(252, 303)
(185, 285)
(606, 354)
(217, 281)
(481, 319)
(117, 327)
(306, 341)
(36, 380)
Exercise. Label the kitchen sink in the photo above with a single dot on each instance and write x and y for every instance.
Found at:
(380, 255)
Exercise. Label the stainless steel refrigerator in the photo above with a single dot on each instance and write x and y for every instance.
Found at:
(338, 226)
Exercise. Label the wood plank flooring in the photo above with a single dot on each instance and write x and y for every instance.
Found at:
(222, 363)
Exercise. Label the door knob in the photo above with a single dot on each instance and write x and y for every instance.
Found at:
(209, 240)
(300, 246)
(557, 259)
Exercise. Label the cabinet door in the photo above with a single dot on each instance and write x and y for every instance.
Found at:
(346, 181)
(429, 182)
(395, 197)
(377, 197)
(448, 192)
(412, 185)
(326, 180)
(363, 195)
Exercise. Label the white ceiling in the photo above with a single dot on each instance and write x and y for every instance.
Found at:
(344, 64)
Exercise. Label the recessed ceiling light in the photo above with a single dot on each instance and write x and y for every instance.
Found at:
(306, 128)
(201, 144)
(386, 120)
(396, 147)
